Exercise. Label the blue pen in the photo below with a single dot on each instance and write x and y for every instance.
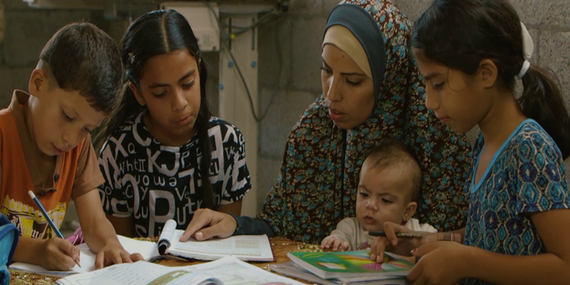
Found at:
(48, 218)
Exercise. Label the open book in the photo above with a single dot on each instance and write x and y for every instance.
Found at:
(351, 266)
(249, 248)
(228, 270)
(244, 247)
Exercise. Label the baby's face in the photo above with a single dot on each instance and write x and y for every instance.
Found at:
(382, 196)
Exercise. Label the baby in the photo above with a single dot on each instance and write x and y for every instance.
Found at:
(389, 185)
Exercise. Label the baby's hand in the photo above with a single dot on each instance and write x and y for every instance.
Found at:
(335, 243)
(391, 243)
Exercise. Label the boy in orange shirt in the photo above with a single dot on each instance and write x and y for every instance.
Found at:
(45, 146)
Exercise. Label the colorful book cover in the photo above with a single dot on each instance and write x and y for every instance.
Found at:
(350, 264)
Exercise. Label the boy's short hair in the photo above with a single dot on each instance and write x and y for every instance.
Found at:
(391, 152)
(81, 57)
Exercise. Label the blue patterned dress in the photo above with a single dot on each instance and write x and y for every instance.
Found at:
(321, 163)
(525, 176)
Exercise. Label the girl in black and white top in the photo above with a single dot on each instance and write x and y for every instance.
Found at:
(162, 141)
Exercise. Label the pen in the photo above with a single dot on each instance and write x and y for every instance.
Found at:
(400, 235)
(445, 236)
(48, 218)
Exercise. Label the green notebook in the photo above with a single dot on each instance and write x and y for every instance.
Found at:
(351, 265)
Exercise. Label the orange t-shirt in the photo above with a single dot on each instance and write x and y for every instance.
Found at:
(76, 172)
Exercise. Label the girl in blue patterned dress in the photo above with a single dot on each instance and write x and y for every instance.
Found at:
(471, 53)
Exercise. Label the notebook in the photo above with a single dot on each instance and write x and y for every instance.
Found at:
(351, 266)
(293, 270)
(147, 249)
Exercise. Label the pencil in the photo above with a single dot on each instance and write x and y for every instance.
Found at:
(445, 236)
(400, 235)
(48, 218)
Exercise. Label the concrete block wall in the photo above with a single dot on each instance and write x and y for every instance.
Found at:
(25, 34)
(28, 29)
(300, 34)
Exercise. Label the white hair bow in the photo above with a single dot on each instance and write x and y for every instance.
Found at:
(528, 49)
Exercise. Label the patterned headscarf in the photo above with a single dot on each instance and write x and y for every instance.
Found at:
(321, 164)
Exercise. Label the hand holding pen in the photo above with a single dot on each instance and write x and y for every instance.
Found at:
(400, 240)
(67, 249)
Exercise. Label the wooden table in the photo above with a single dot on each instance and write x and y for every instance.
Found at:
(280, 246)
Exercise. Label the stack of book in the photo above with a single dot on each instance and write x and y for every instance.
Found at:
(351, 267)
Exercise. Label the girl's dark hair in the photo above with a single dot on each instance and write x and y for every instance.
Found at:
(461, 33)
(156, 33)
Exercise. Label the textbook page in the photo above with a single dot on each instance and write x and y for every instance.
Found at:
(140, 272)
(147, 249)
(245, 247)
(228, 270)
(233, 271)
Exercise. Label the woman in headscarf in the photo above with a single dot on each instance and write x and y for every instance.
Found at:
(371, 90)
